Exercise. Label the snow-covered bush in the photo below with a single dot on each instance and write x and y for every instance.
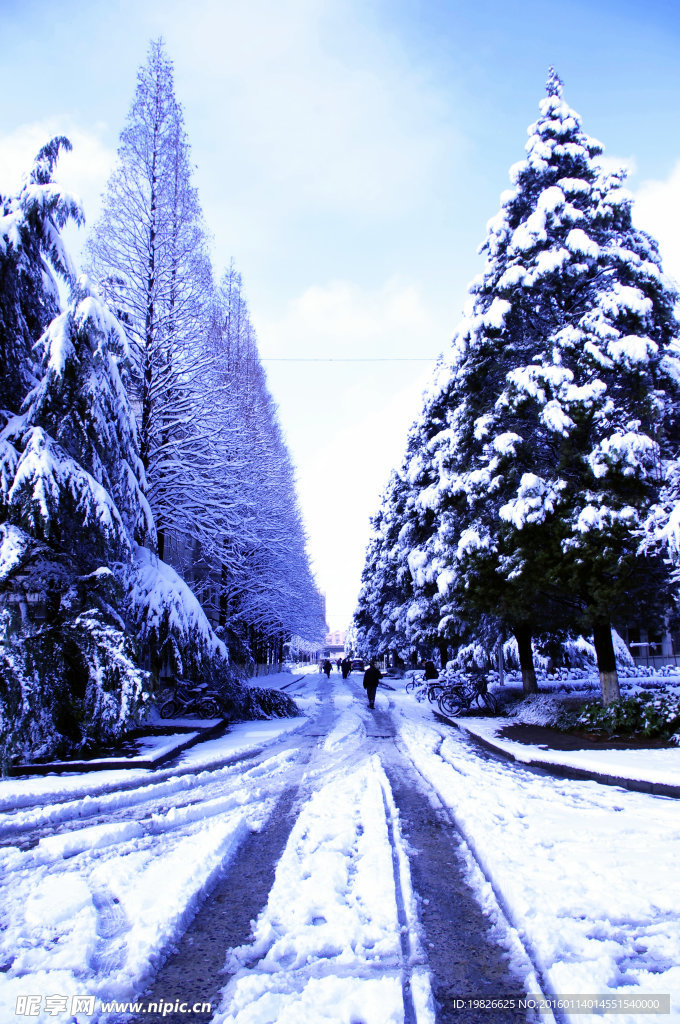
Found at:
(258, 702)
(544, 709)
(644, 714)
(27, 726)
(72, 681)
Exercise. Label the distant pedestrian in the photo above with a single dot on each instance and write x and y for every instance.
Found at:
(372, 677)
(339, 664)
(346, 666)
(327, 668)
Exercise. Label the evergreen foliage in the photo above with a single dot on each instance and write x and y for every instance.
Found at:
(71, 503)
(550, 448)
(31, 253)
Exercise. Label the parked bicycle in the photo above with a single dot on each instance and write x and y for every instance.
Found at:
(465, 692)
(431, 688)
(191, 700)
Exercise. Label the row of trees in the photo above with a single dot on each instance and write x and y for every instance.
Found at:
(537, 493)
(148, 517)
(220, 482)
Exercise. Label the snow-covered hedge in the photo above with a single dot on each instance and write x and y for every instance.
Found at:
(643, 714)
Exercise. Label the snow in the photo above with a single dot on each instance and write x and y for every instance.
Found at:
(558, 866)
(45, 472)
(536, 498)
(164, 602)
(551, 260)
(632, 350)
(568, 859)
(496, 314)
(649, 765)
(13, 545)
(631, 453)
(344, 915)
(556, 419)
(242, 737)
(579, 242)
(626, 299)
(506, 443)
(472, 540)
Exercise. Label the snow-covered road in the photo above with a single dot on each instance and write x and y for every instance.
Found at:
(101, 877)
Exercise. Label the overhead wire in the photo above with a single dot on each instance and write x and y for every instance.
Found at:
(348, 359)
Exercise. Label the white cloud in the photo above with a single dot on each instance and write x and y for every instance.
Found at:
(322, 110)
(342, 319)
(340, 486)
(657, 210)
(346, 423)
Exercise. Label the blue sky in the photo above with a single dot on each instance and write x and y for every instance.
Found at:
(348, 156)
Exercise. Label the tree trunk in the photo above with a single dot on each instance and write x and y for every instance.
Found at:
(224, 601)
(443, 653)
(606, 662)
(526, 658)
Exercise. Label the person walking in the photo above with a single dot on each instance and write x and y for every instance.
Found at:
(327, 668)
(372, 677)
(346, 666)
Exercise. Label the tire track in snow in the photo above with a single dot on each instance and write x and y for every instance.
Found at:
(23, 824)
(501, 908)
(195, 969)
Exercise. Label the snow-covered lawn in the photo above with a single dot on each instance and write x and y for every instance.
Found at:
(648, 765)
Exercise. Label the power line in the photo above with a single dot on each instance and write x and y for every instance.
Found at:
(349, 359)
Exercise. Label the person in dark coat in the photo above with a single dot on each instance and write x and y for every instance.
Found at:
(346, 666)
(430, 670)
(327, 668)
(372, 677)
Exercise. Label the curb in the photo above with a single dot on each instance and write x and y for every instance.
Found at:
(564, 771)
(63, 767)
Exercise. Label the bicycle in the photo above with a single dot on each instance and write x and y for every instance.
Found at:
(187, 700)
(433, 687)
(459, 697)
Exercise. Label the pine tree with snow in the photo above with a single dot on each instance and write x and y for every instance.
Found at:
(400, 607)
(567, 402)
(72, 506)
(386, 589)
(31, 254)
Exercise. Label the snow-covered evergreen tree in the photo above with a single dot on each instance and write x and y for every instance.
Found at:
(72, 505)
(566, 402)
(31, 253)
